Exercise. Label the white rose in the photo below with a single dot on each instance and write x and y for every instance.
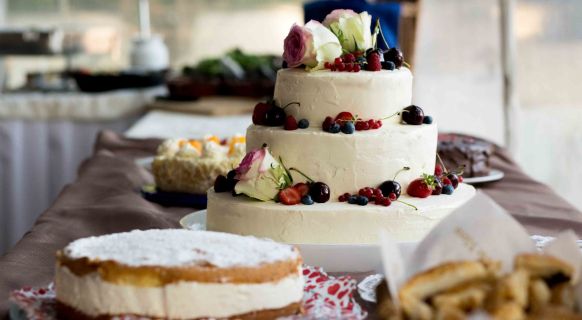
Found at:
(352, 29)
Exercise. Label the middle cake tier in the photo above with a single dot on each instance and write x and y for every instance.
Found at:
(349, 162)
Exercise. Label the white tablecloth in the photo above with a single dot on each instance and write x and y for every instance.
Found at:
(44, 138)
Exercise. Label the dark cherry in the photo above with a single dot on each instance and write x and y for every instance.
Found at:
(413, 115)
(275, 117)
(221, 184)
(391, 186)
(231, 174)
(319, 192)
(454, 179)
(394, 55)
(438, 186)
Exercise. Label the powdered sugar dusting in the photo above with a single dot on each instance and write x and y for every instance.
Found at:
(178, 247)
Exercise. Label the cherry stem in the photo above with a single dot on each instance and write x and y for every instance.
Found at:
(392, 115)
(442, 163)
(406, 64)
(408, 204)
(301, 173)
(382, 34)
(398, 172)
(291, 103)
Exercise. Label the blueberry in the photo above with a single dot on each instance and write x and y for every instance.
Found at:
(362, 200)
(306, 200)
(335, 128)
(388, 65)
(348, 127)
(448, 189)
(303, 124)
(353, 200)
(427, 120)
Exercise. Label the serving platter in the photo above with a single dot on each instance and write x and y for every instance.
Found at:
(494, 175)
(358, 258)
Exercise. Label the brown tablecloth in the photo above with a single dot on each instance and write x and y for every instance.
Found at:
(105, 199)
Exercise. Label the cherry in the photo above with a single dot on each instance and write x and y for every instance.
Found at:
(260, 113)
(394, 55)
(319, 192)
(438, 186)
(454, 180)
(412, 115)
(390, 187)
(327, 123)
(221, 184)
(275, 117)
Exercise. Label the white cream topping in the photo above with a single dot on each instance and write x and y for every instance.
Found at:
(176, 247)
(184, 300)
(211, 149)
(349, 162)
(332, 222)
(188, 151)
(170, 147)
(370, 95)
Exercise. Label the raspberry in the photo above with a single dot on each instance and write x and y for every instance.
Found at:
(438, 170)
(374, 63)
(327, 123)
(349, 58)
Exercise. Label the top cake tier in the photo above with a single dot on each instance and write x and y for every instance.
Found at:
(370, 95)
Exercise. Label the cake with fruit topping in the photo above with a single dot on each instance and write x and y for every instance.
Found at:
(177, 274)
(339, 153)
(457, 150)
(191, 166)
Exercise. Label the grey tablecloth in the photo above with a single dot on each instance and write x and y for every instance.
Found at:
(104, 199)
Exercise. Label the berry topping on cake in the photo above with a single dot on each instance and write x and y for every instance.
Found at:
(290, 123)
(438, 186)
(348, 128)
(319, 191)
(448, 189)
(438, 170)
(388, 65)
(427, 120)
(374, 63)
(260, 113)
(454, 180)
(362, 200)
(413, 115)
(335, 128)
(225, 184)
(392, 186)
(289, 196)
(303, 124)
(275, 117)
(395, 56)
(421, 187)
(303, 188)
(306, 200)
(327, 124)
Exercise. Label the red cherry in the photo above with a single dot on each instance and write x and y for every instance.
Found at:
(290, 123)
(337, 61)
(392, 196)
(327, 65)
(327, 123)
(438, 170)
(260, 113)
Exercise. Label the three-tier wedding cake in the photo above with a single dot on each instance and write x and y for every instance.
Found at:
(339, 153)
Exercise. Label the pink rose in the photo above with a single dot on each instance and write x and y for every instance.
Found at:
(335, 15)
(298, 45)
(245, 165)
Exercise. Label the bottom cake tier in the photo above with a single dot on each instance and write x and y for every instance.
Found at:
(332, 222)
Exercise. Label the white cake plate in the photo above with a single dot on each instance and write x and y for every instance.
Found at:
(494, 175)
(331, 257)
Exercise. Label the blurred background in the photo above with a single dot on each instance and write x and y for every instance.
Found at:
(509, 71)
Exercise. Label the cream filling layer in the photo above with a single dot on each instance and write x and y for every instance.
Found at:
(183, 300)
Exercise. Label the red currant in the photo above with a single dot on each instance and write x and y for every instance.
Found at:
(438, 170)
(378, 201)
(365, 125)
(341, 67)
(392, 196)
(357, 68)
(460, 178)
(349, 67)
(379, 123)
(386, 202)
(341, 198)
(360, 125)
(337, 60)
(374, 126)
(327, 65)
(378, 193)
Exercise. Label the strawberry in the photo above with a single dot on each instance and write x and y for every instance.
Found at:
(421, 187)
(344, 116)
(303, 188)
(374, 63)
(260, 113)
(290, 123)
(289, 196)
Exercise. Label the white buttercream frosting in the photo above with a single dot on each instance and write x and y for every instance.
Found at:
(332, 222)
(349, 162)
(176, 247)
(183, 300)
(370, 95)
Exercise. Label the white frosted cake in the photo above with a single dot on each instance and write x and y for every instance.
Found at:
(178, 274)
(339, 153)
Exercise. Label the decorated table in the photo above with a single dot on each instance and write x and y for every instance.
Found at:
(105, 199)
